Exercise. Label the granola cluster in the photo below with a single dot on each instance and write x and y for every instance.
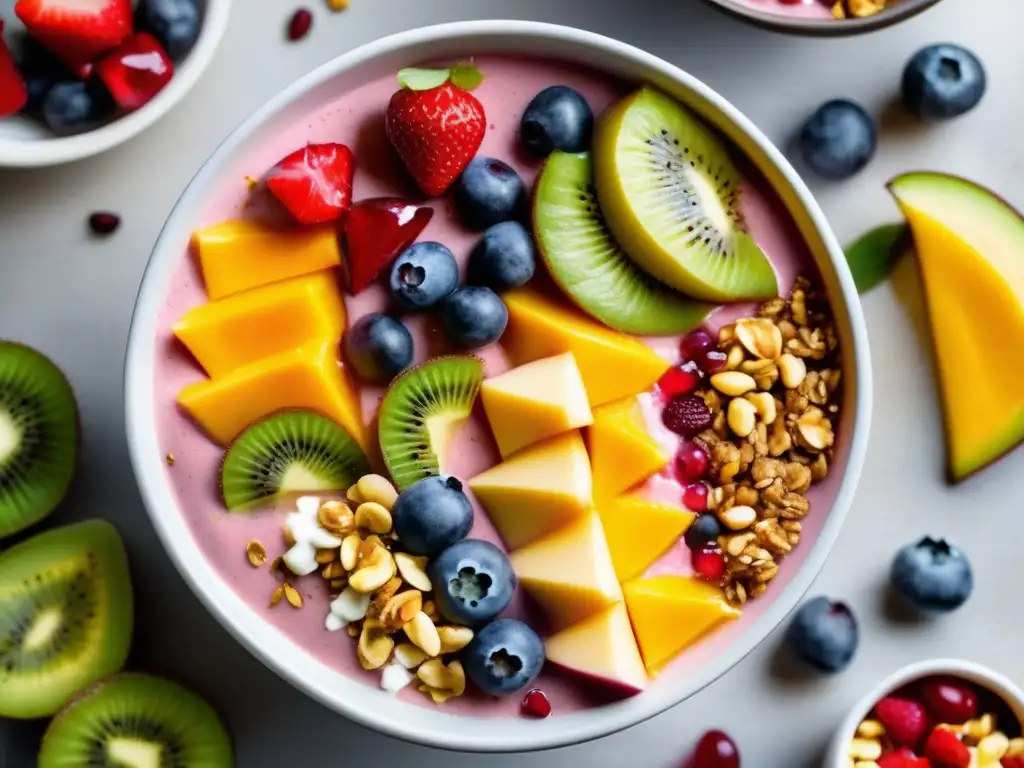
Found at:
(854, 9)
(774, 406)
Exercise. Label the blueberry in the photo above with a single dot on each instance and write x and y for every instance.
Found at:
(505, 257)
(474, 316)
(932, 574)
(503, 657)
(431, 515)
(704, 529)
(823, 634)
(378, 347)
(557, 118)
(41, 70)
(424, 274)
(174, 23)
(473, 582)
(488, 192)
(73, 107)
(838, 140)
(942, 81)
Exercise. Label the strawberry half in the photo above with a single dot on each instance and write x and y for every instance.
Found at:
(905, 720)
(1012, 761)
(136, 71)
(77, 32)
(903, 758)
(945, 750)
(436, 130)
(13, 94)
(314, 183)
(376, 231)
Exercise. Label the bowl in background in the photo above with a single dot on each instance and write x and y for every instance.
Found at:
(755, 14)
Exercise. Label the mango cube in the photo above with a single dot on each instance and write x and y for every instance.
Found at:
(639, 531)
(535, 401)
(569, 573)
(237, 330)
(622, 451)
(240, 254)
(541, 488)
(601, 648)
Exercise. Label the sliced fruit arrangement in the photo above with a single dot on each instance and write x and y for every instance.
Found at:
(622, 451)
(314, 182)
(375, 232)
(38, 437)
(601, 648)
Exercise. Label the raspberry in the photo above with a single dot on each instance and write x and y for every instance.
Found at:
(687, 415)
(905, 721)
(945, 750)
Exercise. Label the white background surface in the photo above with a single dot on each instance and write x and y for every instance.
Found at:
(72, 295)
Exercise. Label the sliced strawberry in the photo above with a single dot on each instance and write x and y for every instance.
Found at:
(945, 749)
(314, 183)
(13, 94)
(136, 71)
(903, 758)
(376, 231)
(77, 32)
(905, 720)
(436, 132)
(1012, 761)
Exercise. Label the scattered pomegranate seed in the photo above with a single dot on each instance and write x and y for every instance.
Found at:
(714, 750)
(687, 415)
(680, 380)
(708, 563)
(104, 222)
(949, 700)
(299, 24)
(712, 361)
(695, 344)
(695, 497)
(536, 704)
(691, 462)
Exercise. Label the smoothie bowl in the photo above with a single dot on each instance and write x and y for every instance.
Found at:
(824, 18)
(445, 457)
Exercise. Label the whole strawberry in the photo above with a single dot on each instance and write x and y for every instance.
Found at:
(905, 721)
(945, 750)
(435, 124)
(903, 758)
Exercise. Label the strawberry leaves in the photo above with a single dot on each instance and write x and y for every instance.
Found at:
(874, 254)
(463, 75)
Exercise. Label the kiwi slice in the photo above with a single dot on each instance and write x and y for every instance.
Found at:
(418, 412)
(289, 452)
(670, 195)
(38, 437)
(137, 721)
(588, 264)
(65, 616)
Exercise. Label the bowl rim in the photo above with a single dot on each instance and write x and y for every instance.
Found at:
(373, 708)
(776, 22)
(15, 153)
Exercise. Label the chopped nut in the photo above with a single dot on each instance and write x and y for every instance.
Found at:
(373, 517)
(735, 545)
(733, 383)
(325, 556)
(375, 645)
(256, 553)
(336, 517)
(414, 570)
(726, 335)
(764, 404)
(350, 551)
(377, 490)
(333, 571)
(170, 459)
(276, 596)
(865, 749)
(442, 683)
(383, 595)
(373, 572)
(353, 495)
(815, 430)
(409, 656)
(742, 416)
(761, 337)
(792, 371)
(401, 609)
(421, 631)
(292, 596)
(454, 639)
(430, 608)
(738, 518)
(734, 357)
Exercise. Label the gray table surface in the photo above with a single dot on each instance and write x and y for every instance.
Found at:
(72, 296)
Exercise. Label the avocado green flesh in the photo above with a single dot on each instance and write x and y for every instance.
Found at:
(670, 195)
(588, 264)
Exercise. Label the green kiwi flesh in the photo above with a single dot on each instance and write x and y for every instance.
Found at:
(286, 453)
(670, 195)
(38, 437)
(587, 263)
(65, 616)
(137, 721)
(420, 409)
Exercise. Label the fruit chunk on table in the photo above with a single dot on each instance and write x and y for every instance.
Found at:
(612, 364)
(969, 244)
(569, 573)
(640, 530)
(538, 490)
(67, 616)
(240, 329)
(535, 401)
(670, 195)
(622, 451)
(240, 254)
(671, 613)
(601, 648)
(307, 379)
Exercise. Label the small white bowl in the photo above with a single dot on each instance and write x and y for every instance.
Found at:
(985, 678)
(26, 143)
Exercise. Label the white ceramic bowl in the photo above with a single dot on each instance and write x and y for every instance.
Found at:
(27, 143)
(354, 699)
(981, 676)
(795, 25)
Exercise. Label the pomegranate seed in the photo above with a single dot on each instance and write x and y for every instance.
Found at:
(687, 415)
(714, 750)
(708, 563)
(536, 704)
(695, 497)
(712, 361)
(103, 222)
(695, 344)
(691, 462)
(299, 24)
(950, 700)
(680, 380)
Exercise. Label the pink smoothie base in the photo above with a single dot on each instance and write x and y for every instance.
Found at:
(356, 118)
(807, 9)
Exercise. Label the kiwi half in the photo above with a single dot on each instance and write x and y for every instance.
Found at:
(289, 452)
(38, 437)
(418, 412)
(588, 264)
(137, 721)
(65, 616)
(670, 195)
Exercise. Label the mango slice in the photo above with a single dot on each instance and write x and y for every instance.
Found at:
(622, 452)
(639, 531)
(601, 648)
